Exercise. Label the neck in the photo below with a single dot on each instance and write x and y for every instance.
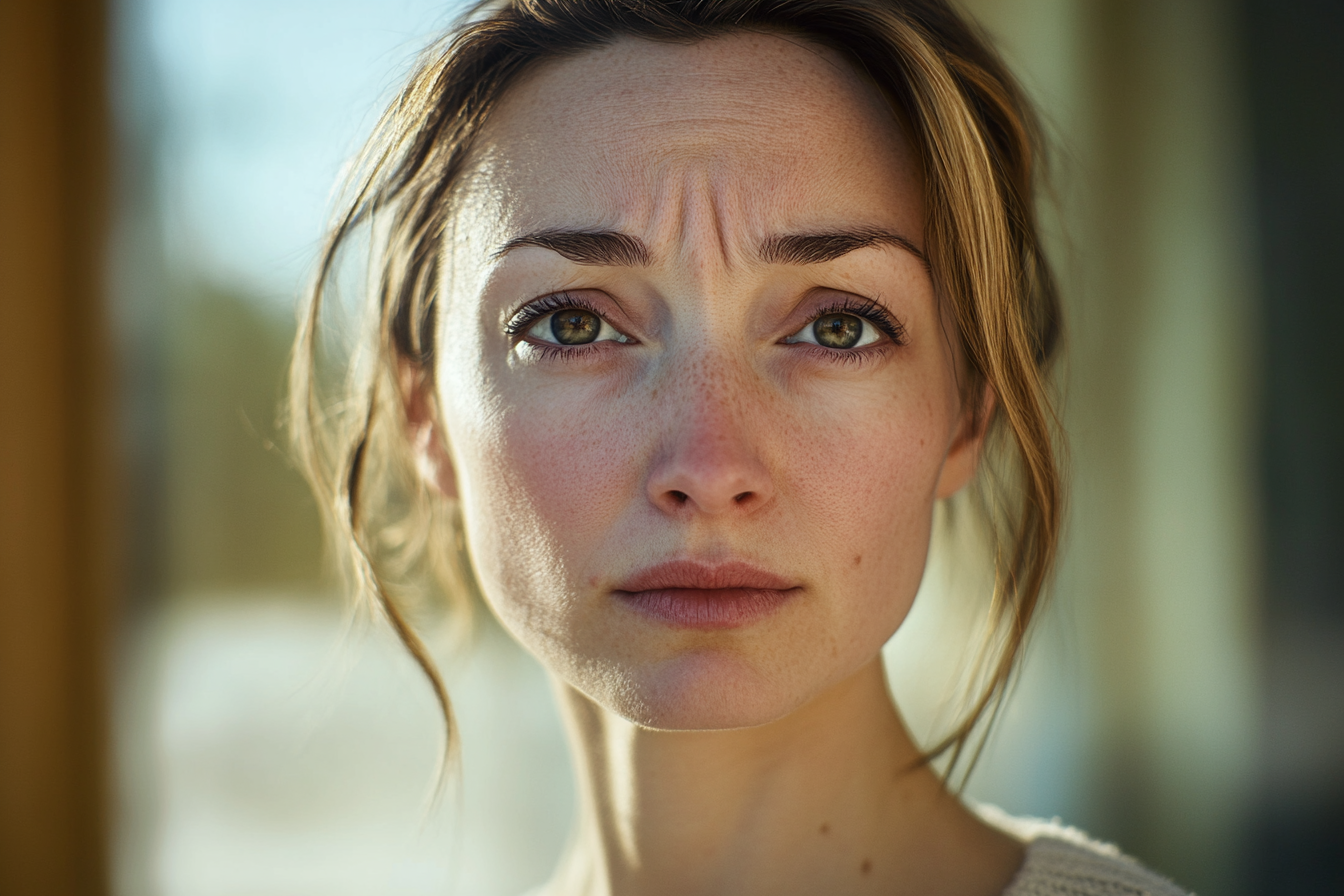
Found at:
(832, 798)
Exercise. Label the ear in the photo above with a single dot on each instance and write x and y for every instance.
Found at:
(425, 430)
(963, 457)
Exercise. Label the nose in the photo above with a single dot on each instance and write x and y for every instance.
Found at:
(709, 462)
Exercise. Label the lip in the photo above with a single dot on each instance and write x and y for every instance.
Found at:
(688, 594)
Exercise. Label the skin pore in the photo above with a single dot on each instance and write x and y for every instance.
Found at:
(728, 234)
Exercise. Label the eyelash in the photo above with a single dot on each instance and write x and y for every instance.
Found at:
(868, 309)
(871, 311)
(529, 314)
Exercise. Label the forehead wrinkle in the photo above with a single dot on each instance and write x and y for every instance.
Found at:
(644, 170)
(700, 216)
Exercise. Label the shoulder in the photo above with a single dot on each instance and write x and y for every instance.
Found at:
(1063, 861)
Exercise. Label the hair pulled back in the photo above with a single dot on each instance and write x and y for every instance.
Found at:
(978, 143)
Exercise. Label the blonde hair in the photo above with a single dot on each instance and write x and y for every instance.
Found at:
(978, 142)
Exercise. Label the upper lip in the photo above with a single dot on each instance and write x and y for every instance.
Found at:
(704, 576)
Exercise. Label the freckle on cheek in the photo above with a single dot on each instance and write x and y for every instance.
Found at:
(566, 492)
(858, 558)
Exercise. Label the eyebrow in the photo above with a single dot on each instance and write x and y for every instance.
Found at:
(615, 249)
(815, 248)
(596, 247)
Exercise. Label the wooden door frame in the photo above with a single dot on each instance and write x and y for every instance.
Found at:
(58, 571)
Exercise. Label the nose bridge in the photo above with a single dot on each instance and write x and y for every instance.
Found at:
(707, 394)
(709, 458)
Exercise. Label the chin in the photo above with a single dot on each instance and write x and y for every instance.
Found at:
(702, 691)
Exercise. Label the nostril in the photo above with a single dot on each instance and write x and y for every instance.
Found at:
(742, 497)
(679, 497)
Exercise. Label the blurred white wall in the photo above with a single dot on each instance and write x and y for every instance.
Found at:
(294, 754)
(1161, 565)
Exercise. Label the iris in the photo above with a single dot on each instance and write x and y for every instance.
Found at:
(574, 326)
(837, 330)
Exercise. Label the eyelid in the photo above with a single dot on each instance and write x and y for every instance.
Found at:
(870, 310)
(527, 316)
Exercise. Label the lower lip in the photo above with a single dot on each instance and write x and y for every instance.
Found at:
(707, 608)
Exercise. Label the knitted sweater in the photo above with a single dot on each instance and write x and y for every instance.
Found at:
(1063, 861)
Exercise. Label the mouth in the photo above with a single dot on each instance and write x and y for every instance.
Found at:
(687, 594)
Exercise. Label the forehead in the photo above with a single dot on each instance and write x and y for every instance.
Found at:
(770, 133)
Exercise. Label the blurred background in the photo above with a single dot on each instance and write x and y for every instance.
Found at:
(187, 708)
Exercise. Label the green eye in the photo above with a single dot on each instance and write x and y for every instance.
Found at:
(837, 330)
(574, 326)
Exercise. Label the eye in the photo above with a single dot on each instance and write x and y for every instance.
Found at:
(574, 326)
(838, 330)
(564, 320)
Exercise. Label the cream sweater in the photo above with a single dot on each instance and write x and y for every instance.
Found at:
(1063, 861)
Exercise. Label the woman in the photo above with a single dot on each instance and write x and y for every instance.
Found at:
(687, 315)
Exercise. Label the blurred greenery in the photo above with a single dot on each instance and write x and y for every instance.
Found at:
(238, 514)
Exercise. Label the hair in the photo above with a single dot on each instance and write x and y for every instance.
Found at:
(980, 148)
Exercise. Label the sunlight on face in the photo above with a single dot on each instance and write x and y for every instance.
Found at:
(687, 323)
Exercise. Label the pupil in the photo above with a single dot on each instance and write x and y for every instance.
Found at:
(575, 327)
(838, 330)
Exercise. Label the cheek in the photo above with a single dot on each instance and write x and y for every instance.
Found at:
(544, 476)
(864, 474)
(870, 462)
(575, 456)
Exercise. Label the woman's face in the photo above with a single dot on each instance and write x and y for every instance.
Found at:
(696, 391)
